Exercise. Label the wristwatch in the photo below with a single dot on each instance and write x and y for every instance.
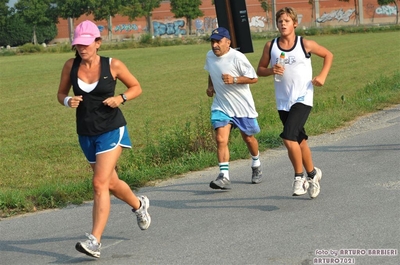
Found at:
(124, 98)
(235, 80)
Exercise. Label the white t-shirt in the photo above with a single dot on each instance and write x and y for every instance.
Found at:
(296, 86)
(235, 100)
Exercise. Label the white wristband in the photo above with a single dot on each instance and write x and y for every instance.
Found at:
(66, 99)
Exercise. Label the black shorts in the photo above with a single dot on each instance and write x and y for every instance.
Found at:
(293, 122)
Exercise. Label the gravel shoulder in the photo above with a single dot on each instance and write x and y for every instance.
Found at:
(372, 121)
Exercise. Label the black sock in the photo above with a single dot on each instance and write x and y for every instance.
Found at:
(312, 174)
(298, 175)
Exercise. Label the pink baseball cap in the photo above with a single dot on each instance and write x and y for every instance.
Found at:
(85, 33)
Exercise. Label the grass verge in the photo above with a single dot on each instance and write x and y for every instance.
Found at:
(43, 167)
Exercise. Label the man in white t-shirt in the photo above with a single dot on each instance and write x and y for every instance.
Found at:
(230, 74)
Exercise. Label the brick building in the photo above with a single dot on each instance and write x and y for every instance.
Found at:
(323, 13)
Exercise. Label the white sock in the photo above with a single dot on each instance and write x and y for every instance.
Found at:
(255, 160)
(226, 173)
(224, 168)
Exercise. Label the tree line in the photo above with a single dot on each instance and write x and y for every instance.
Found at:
(35, 20)
(41, 16)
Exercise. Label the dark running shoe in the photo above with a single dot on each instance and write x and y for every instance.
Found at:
(220, 183)
(256, 176)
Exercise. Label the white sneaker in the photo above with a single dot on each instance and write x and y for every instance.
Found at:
(314, 184)
(300, 186)
(90, 247)
(142, 216)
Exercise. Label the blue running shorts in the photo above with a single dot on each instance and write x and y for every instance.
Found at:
(247, 125)
(94, 145)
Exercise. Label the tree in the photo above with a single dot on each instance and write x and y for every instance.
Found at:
(4, 11)
(36, 13)
(140, 8)
(266, 6)
(356, 10)
(105, 10)
(189, 9)
(388, 2)
(17, 32)
(71, 9)
(312, 3)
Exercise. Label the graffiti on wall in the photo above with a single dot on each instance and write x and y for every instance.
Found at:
(210, 23)
(126, 27)
(171, 28)
(199, 25)
(258, 22)
(336, 14)
(206, 25)
(178, 27)
(101, 28)
(386, 10)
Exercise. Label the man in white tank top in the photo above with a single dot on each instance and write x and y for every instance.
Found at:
(294, 94)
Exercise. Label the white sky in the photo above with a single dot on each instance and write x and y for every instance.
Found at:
(12, 2)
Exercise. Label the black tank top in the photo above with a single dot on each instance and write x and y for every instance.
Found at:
(92, 116)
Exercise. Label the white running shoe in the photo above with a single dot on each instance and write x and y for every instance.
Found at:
(314, 184)
(142, 216)
(90, 247)
(300, 186)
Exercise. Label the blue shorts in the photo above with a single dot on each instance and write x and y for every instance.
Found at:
(249, 126)
(94, 145)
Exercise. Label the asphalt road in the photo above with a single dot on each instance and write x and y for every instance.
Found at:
(355, 217)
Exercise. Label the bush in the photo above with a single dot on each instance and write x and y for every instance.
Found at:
(146, 39)
(7, 52)
(60, 48)
(30, 48)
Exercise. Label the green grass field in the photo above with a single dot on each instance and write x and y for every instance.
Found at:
(41, 163)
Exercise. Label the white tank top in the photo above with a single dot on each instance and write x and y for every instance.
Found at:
(88, 87)
(296, 86)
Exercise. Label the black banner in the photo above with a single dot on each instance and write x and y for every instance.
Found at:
(232, 15)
